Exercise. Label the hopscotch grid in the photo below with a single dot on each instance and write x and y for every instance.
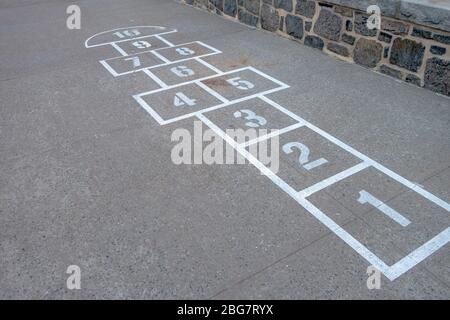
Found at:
(192, 81)
(215, 51)
(392, 272)
(161, 64)
(327, 221)
(195, 113)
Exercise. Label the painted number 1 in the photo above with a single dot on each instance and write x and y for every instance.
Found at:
(366, 197)
(304, 155)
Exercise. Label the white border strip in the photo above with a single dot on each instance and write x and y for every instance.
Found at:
(272, 134)
(333, 179)
(161, 83)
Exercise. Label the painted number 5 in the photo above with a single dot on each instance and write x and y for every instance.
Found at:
(304, 155)
(241, 84)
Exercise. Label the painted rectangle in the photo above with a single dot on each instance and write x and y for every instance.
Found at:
(248, 82)
(155, 58)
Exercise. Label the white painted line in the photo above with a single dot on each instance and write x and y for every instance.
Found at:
(335, 228)
(282, 84)
(282, 109)
(161, 83)
(147, 108)
(210, 66)
(107, 67)
(315, 163)
(118, 41)
(119, 49)
(167, 61)
(272, 134)
(209, 47)
(170, 44)
(212, 92)
(333, 179)
(441, 203)
(419, 254)
(366, 197)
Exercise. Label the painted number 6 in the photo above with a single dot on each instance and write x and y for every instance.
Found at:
(304, 155)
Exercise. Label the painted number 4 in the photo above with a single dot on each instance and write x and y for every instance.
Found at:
(182, 100)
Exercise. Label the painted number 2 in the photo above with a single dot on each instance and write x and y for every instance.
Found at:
(254, 121)
(304, 155)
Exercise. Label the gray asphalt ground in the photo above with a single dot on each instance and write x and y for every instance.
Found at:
(86, 177)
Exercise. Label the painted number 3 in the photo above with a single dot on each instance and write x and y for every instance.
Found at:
(254, 121)
(304, 155)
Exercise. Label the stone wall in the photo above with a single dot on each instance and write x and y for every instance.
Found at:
(408, 51)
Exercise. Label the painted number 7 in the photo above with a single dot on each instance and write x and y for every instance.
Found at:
(136, 61)
(304, 155)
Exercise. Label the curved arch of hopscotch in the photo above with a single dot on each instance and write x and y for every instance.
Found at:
(160, 30)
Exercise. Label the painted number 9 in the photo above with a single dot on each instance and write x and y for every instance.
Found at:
(185, 51)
